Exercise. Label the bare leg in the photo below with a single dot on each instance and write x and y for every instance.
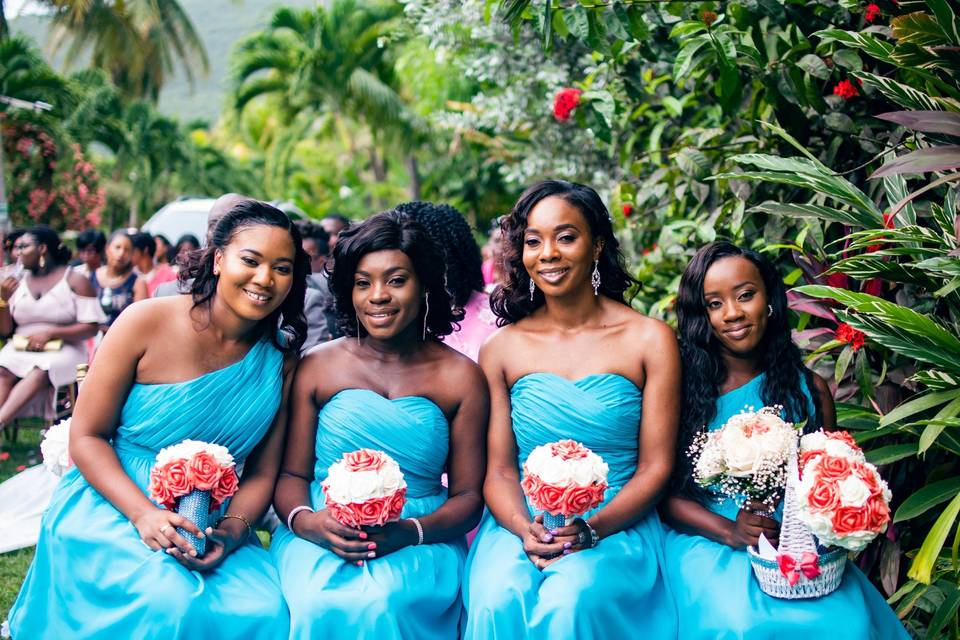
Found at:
(7, 380)
(33, 383)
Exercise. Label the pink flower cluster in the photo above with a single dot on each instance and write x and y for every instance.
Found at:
(180, 476)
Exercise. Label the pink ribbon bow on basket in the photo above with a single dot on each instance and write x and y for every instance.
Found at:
(808, 565)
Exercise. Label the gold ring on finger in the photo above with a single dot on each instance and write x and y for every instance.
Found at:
(164, 528)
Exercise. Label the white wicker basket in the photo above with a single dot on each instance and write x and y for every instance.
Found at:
(795, 541)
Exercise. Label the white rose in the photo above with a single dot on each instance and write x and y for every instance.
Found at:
(840, 449)
(741, 456)
(709, 465)
(856, 541)
(55, 448)
(815, 441)
(853, 492)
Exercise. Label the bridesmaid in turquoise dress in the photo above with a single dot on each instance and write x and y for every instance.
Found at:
(738, 353)
(390, 384)
(573, 361)
(208, 366)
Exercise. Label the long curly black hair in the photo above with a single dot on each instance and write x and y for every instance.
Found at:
(704, 369)
(286, 327)
(387, 231)
(450, 231)
(511, 301)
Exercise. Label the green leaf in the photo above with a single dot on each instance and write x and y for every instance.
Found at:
(875, 47)
(577, 22)
(814, 211)
(673, 106)
(944, 614)
(848, 59)
(687, 58)
(947, 17)
(916, 405)
(905, 95)
(923, 563)
(891, 453)
(815, 66)
(935, 379)
(918, 28)
(687, 28)
(927, 498)
(839, 122)
(843, 361)
(694, 163)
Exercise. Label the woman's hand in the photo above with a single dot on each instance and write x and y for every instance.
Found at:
(321, 528)
(545, 547)
(158, 530)
(221, 542)
(7, 287)
(36, 341)
(746, 529)
(391, 537)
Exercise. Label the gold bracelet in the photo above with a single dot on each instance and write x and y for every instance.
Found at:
(236, 517)
(4, 304)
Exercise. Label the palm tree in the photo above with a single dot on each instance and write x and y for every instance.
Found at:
(327, 63)
(138, 42)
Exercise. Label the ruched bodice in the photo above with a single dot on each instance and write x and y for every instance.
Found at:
(412, 430)
(602, 411)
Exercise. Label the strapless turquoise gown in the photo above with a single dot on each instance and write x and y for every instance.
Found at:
(93, 578)
(615, 590)
(413, 593)
(717, 594)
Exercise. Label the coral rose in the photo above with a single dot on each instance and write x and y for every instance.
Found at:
(396, 504)
(842, 436)
(204, 471)
(225, 488)
(878, 514)
(568, 450)
(159, 491)
(176, 477)
(549, 499)
(847, 520)
(834, 467)
(530, 484)
(345, 514)
(824, 496)
(578, 500)
(363, 460)
(371, 512)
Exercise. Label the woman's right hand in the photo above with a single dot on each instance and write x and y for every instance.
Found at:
(158, 530)
(7, 287)
(321, 528)
(540, 545)
(748, 526)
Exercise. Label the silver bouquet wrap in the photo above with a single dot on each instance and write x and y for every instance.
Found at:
(551, 522)
(195, 507)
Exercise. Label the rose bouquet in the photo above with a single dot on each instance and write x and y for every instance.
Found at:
(564, 480)
(746, 459)
(840, 495)
(55, 448)
(365, 488)
(193, 478)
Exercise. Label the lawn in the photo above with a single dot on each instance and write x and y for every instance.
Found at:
(24, 452)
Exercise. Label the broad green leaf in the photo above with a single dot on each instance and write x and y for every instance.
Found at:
(905, 95)
(576, 21)
(945, 613)
(848, 59)
(874, 46)
(922, 566)
(843, 361)
(937, 380)
(687, 58)
(815, 66)
(687, 28)
(946, 417)
(927, 498)
(916, 405)
(814, 211)
(891, 453)
(918, 28)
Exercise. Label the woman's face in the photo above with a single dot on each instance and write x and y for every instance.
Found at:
(255, 271)
(120, 253)
(161, 248)
(736, 302)
(90, 256)
(386, 293)
(558, 248)
(28, 251)
(185, 247)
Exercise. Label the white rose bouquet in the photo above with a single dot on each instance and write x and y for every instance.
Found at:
(55, 448)
(365, 488)
(746, 459)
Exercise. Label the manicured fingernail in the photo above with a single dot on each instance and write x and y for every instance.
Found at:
(372, 545)
(359, 563)
(193, 552)
(547, 537)
(363, 535)
(372, 554)
(169, 551)
(566, 552)
(209, 530)
(567, 545)
(554, 532)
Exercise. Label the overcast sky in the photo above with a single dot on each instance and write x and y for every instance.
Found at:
(13, 7)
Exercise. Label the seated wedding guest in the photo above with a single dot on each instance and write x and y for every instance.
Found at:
(186, 244)
(48, 312)
(318, 305)
(392, 386)
(117, 284)
(153, 273)
(334, 224)
(573, 361)
(163, 248)
(450, 231)
(212, 366)
(90, 246)
(738, 353)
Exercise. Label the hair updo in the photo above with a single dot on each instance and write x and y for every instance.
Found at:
(57, 252)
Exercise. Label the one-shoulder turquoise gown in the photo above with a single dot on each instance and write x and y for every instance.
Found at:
(413, 593)
(717, 594)
(92, 576)
(614, 590)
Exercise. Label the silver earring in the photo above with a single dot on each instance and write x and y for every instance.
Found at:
(533, 288)
(595, 278)
(426, 302)
(770, 310)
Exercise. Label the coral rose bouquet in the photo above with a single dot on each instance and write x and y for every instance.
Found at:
(365, 488)
(193, 478)
(746, 459)
(840, 495)
(564, 480)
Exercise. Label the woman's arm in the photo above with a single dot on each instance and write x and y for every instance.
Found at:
(76, 332)
(689, 516)
(823, 396)
(7, 287)
(140, 289)
(94, 422)
(658, 435)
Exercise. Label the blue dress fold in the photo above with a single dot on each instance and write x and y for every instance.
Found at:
(92, 576)
(615, 590)
(718, 596)
(413, 593)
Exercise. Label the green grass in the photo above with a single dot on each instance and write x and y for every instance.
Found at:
(13, 566)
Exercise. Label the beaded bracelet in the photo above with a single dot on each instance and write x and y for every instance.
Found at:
(419, 527)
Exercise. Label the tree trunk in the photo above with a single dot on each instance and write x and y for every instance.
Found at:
(414, 170)
(4, 27)
(379, 168)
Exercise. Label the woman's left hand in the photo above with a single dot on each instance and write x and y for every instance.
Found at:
(391, 537)
(571, 539)
(221, 542)
(36, 341)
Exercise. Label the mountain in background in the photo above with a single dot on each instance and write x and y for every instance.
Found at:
(220, 24)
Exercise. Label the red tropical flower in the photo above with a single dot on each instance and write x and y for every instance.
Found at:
(846, 90)
(627, 210)
(847, 334)
(872, 13)
(709, 17)
(888, 219)
(566, 100)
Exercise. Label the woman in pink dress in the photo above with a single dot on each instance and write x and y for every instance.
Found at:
(48, 314)
(464, 278)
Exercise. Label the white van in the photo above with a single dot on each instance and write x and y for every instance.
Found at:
(186, 215)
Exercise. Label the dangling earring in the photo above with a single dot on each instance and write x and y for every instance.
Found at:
(533, 288)
(770, 310)
(43, 262)
(595, 278)
(426, 302)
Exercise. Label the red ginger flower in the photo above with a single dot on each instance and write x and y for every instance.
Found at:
(849, 335)
(846, 90)
(709, 17)
(566, 100)
(888, 219)
(627, 210)
(872, 13)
